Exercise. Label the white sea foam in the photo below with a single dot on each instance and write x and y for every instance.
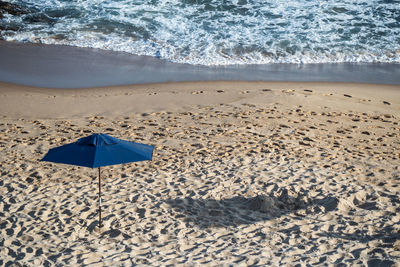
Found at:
(209, 32)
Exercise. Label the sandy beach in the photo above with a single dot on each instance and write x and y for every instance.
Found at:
(243, 174)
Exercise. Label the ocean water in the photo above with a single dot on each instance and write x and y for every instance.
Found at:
(217, 32)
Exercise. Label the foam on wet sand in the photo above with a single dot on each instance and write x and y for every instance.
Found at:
(243, 173)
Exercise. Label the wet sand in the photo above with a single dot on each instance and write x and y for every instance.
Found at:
(244, 173)
(56, 66)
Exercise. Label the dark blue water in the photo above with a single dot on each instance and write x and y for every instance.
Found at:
(217, 32)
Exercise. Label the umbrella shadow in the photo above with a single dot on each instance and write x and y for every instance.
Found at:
(239, 210)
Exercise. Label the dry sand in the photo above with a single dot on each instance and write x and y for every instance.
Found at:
(244, 173)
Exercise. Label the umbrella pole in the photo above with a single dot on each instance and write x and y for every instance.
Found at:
(100, 225)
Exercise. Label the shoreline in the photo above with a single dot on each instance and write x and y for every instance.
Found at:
(54, 66)
(243, 172)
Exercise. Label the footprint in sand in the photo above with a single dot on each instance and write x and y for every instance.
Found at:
(288, 91)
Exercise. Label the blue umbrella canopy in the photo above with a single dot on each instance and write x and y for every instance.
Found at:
(98, 150)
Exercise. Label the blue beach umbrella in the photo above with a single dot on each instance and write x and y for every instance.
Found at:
(98, 150)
